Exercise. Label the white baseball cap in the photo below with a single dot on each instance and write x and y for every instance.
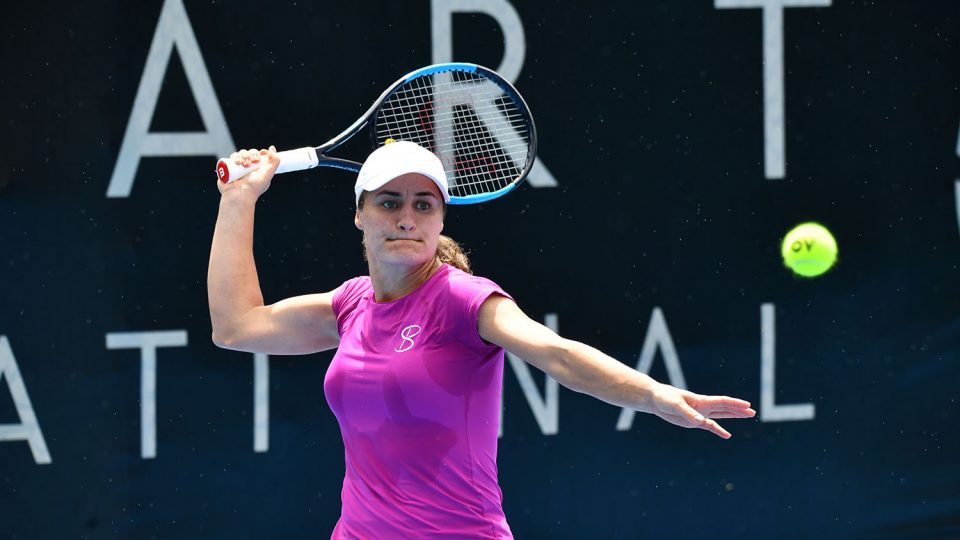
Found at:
(398, 158)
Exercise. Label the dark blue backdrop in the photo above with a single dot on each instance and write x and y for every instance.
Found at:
(651, 118)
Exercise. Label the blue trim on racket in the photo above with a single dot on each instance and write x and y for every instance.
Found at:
(487, 141)
(437, 68)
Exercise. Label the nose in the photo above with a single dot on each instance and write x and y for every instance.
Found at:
(405, 221)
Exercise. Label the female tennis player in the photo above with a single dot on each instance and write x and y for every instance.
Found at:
(415, 382)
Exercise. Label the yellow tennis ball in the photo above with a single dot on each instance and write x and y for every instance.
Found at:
(809, 249)
(388, 141)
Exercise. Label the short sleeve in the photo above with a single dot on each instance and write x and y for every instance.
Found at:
(346, 297)
(469, 293)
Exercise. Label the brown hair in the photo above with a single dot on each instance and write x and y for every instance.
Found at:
(448, 250)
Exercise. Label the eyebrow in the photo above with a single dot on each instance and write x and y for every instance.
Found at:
(417, 194)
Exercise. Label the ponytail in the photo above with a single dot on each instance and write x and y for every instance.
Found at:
(450, 252)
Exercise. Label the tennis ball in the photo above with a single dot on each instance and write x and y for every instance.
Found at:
(388, 141)
(809, 249)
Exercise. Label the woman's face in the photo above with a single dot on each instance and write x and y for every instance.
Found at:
(402, 221)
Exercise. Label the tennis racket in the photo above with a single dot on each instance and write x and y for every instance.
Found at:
(469, 116)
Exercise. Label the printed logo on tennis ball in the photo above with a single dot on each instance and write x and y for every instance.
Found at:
(809, 249)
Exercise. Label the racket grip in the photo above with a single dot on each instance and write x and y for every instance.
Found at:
(290, 160)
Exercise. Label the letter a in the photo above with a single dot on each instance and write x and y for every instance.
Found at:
(173, 29)
(658, 337)
(28, 429)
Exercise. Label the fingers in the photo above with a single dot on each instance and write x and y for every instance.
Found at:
(701, 422)
(707, 424)
(715, 428)
(693, 416)
(685, 419)
(686, 409)
(721, 402)
(726, 412)
(722, 407)
(711, 407)
(722, 414)
(260, 165)
(271, 160)
(247, 158)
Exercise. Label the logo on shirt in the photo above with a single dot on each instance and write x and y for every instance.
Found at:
(407, 334)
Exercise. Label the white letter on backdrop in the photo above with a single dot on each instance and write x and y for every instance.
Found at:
(514, 51)
(28, 429)
(173, 29)
(147, 342)
(658, 336)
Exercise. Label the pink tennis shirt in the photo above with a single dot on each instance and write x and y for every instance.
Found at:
(417, 394)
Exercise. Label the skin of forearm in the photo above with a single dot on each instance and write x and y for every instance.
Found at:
(233, 287)
(592, 372)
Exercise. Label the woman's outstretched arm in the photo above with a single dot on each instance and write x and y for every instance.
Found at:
(585, 369)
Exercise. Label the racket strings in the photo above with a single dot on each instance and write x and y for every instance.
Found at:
(477, 170)
(479, 132)
(418, 99)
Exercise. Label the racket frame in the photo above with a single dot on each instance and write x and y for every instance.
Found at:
(364, 121)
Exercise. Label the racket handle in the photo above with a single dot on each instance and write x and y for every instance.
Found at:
(290, 160)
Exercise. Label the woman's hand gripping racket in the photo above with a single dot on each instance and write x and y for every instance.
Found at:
(469, 116)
